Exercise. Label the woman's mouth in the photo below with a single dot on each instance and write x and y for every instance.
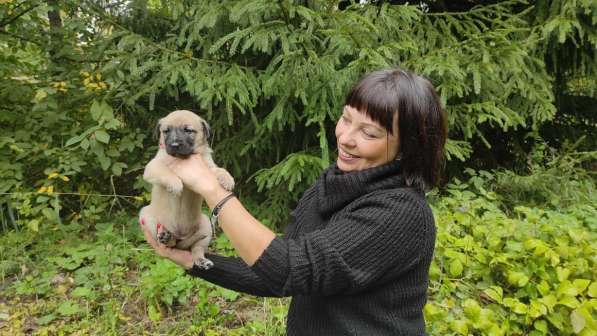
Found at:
(344, 156)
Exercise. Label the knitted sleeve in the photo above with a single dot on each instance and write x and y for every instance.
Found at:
(376, 238)
(233, 273)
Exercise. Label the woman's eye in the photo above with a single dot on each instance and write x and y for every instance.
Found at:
(369, 134)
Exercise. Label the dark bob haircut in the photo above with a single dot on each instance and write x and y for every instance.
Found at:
(422, 122)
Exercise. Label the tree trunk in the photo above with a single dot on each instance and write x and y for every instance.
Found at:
(56, 35)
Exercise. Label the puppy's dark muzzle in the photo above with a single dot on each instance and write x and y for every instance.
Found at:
(178, 150)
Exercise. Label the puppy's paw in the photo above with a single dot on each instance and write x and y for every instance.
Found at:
(166, 238)
(204, 264)
(225, 179)
(174, 187)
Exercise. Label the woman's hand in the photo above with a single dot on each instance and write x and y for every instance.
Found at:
(195, 174)
(180, 257)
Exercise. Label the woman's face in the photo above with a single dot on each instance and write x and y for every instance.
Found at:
(362, 142)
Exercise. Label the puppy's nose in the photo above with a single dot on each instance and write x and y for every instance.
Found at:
(175, 144)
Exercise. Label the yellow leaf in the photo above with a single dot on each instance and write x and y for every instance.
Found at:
(40, 94)
(64, 178)
(41, 190)
(50, 190)
(52, 175)
(98, 76)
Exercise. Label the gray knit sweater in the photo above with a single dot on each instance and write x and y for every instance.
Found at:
(355, 257)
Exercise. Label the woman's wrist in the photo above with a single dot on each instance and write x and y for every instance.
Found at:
(214, 197)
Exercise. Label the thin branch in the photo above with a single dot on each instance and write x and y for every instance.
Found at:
(14, 18)
(2, 31)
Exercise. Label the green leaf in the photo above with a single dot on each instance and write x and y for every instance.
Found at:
(456, 268)
(578, 321)
(73, 140)
(563, 273)
(104, 162)
(154, 313)
(68, 308)
(581, 285)
(459, 326)
(96, 110)
(541, 325)
(102, 136)
(81, 292)
(566, 289)
(593, 289)
(33, 225)
(495, 292)
(46, 319)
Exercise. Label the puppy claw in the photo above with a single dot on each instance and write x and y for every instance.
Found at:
(204, 264)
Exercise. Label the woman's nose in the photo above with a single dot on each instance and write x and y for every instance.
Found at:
(346, 138)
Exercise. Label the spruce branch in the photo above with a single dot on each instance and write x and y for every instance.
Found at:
(94, 11)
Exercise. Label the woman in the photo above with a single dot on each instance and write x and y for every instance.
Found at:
(356, 256)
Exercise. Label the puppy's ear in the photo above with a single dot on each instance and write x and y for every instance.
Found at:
(156, 130)
(206, 130)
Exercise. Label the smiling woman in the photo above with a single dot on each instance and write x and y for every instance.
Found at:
(355, 257)
(407, 109)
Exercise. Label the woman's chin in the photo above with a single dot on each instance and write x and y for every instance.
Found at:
(345, 167)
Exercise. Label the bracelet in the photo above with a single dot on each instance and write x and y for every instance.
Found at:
(216, 210)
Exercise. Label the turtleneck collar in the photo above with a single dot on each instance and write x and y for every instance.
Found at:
(336, 188)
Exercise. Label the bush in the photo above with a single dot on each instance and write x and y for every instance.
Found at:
(528, 273)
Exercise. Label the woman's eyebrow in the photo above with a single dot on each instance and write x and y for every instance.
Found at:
(372, 125)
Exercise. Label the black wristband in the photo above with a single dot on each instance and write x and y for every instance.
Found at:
(215, 212)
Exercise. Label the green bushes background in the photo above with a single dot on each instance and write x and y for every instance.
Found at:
(84, 82)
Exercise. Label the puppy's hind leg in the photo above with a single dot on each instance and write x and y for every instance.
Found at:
(200, 246)
(147, 219)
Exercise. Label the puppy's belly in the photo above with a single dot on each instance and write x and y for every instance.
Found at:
(180, 227)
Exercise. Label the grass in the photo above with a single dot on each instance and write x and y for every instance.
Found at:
(105, 280)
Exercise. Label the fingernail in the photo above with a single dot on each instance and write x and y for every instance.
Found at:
(142, 221)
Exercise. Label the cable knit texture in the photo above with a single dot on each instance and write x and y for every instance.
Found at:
(355, 257)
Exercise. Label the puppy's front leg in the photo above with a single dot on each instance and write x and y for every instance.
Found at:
(224, 178)
(157, 173)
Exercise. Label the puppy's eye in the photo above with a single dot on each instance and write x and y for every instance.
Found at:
(189, 130)
(166, 131)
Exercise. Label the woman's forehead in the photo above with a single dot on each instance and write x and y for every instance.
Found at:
(352, 111)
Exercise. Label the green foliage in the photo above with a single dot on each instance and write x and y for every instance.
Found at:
(529, 273)
(551, 179)
(164, 282)
(269, 77)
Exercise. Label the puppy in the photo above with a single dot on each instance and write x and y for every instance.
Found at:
(174, 214)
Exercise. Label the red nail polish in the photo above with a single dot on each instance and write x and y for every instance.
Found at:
(142, 221)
